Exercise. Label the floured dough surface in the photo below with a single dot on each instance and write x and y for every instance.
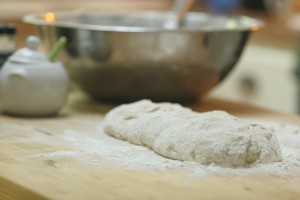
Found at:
(176, 132)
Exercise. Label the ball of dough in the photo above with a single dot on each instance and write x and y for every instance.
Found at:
(176, 132)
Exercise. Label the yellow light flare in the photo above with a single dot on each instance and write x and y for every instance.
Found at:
(254, 27)
(50, 17)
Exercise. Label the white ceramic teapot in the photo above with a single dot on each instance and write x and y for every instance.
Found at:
(32, 85)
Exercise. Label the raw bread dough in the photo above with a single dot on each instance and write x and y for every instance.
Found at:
(176, 132)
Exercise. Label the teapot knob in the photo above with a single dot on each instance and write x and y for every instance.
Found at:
(32, 42)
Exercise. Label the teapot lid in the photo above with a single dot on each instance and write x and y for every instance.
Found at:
(29, 54)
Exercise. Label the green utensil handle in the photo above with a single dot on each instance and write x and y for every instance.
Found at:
(58, 46)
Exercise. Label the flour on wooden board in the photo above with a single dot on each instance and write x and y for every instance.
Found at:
(97, 148)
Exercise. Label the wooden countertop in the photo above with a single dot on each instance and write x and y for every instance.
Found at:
(25, 177)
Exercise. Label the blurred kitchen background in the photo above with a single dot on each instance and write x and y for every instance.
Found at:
(266, 75)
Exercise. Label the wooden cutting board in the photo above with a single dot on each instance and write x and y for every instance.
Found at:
(25, 177)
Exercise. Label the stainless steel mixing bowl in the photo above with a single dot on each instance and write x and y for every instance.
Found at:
(129, 56)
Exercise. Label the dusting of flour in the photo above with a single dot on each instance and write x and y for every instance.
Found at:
(98, 148)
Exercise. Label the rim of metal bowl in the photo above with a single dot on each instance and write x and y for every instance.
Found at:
(246, 23)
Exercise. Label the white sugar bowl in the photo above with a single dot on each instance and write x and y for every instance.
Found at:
(31, 85)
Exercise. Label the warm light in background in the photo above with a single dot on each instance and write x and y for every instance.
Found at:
(49, 17)
(254, 27)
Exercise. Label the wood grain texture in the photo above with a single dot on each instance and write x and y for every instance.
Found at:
(25, 177)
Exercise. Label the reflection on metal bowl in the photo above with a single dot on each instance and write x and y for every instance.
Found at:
(123, 57)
